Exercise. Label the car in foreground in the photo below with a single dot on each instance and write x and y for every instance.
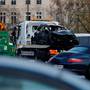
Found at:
(76, 60)
(22, 74)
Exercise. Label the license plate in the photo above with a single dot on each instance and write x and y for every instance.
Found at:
(59, 66)
(28, 53)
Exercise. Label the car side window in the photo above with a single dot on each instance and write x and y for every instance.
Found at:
(10, 83)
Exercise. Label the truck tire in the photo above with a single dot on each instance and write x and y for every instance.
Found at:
(42, 54)
(18, 52)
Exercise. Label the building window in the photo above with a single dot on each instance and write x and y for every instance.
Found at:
(39, 15)
(39, 1)
(13, 2)
(28, 16)
(3, 17)
(28, 1)
(2, 2)
(13, 18)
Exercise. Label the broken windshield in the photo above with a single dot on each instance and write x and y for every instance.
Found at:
(49, 28)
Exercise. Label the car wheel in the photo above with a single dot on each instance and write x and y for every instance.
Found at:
(87, 73)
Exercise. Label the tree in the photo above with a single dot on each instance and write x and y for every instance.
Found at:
(56, 10)
(77, 13)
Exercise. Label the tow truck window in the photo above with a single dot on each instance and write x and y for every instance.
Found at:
(18, 32)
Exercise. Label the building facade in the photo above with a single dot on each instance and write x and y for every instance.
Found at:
(15, 11)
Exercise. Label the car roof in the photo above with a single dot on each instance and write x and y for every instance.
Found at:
(63, 32)
(29, 65)
(46, 70)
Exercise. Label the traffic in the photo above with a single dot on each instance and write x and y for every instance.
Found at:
(39, 37)
(42, 46)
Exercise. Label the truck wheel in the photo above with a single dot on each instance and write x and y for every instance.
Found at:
(18, 52)
(87, 73)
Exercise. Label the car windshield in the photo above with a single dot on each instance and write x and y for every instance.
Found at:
(49, 27)
(78, 50)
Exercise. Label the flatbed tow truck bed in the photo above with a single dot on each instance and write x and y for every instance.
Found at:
(35, 46)
(34, 51)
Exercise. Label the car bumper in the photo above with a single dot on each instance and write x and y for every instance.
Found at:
(77, 68)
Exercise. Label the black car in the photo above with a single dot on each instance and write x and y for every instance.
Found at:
(76, 59)
(57, 36)
(63, 39)
(21, 74)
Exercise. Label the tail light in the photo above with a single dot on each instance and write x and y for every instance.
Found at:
(73, 60)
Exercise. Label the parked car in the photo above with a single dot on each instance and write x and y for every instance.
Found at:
(22, 74)
(76, 59)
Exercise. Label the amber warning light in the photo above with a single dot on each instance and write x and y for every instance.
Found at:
(53, 52)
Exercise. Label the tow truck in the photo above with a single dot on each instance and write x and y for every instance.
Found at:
(42, 39)
(6, 46)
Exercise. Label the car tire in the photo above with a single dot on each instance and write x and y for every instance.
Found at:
(87, 73)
